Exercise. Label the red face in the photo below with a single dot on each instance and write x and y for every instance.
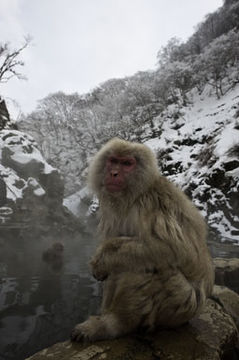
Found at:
(118, 168)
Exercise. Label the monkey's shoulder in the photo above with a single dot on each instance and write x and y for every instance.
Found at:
(162, 192)
(166, 197)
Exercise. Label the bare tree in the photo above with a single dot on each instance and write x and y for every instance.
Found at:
(10, 63)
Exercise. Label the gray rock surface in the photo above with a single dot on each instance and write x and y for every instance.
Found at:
(213, 335)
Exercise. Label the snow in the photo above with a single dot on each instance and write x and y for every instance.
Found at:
(226, 140)
(5, 214)
(23, 150)
(198, 144)
(23, 147)
(11, 178)
(233, 173)
(22, 158)
(38, 190)
(74, 201)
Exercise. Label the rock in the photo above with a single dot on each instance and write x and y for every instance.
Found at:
(30, 188)
(199, 152)
(210, 336)
(213, 335)
(79, 202)
(3, 192)
(5, 120)
(227, 273)
(229, 300)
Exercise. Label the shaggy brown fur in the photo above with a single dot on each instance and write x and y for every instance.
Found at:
(153, 256)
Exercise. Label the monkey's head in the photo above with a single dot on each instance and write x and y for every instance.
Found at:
(122, 167)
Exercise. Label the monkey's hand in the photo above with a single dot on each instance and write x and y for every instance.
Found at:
(108, 257)
(98, 268)
(105, 250)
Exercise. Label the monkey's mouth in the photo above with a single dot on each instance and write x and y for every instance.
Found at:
(114, 187)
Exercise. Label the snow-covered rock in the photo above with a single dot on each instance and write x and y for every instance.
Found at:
(79, 202)
(198, 148)
(83, 206)
(30, 187)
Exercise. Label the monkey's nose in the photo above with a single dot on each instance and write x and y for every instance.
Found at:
(114, 173)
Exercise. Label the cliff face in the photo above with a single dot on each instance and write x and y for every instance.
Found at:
(198, 148)
(31, 191)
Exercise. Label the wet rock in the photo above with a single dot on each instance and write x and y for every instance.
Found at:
(229, 301)
(212, 335)
(227, 273)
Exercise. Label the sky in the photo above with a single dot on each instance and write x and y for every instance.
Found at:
(78, 44)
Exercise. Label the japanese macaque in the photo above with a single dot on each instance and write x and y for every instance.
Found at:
(54, 252)
(153, 258)
(53, 256)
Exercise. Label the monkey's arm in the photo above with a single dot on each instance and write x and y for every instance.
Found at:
(120, 254)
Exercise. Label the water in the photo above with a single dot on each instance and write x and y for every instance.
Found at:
(224, 248)
(40, 302)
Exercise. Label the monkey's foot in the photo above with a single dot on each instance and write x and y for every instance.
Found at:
(81, 332)
(90, 330)
(96, 328)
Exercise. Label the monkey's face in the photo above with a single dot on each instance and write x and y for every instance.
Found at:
(118, 171)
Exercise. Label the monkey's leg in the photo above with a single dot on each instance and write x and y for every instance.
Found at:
(151, 300)
(126, 302)
(143, 300)
(177, 300)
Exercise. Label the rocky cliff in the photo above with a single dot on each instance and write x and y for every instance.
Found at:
(31, 191)
(198, 148)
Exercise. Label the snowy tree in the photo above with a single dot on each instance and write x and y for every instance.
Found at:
(215, 65)
(173, 51)
(175, 79)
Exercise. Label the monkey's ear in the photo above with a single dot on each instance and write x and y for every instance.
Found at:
(96, 172)
(97, 164)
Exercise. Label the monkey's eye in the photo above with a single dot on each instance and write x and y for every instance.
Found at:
(127, 163)
(114, 160)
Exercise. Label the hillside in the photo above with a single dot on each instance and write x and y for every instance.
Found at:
(197, 148)
(200, 152)
(187, 110)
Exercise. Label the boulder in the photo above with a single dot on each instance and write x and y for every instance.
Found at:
(229, 301)
(212, 335)
(30, 188)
